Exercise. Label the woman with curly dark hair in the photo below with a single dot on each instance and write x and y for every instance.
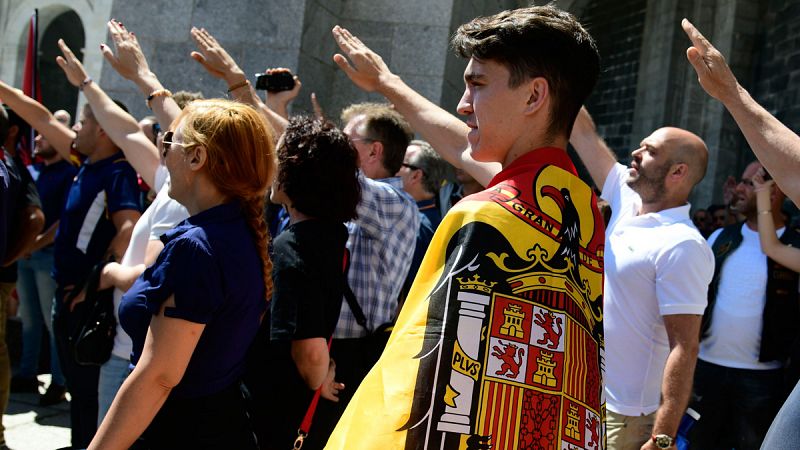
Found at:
(317, 183)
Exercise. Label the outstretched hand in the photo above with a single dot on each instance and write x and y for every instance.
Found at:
(364, 67)
(215, 59)
(71, 65)
(129, 60)
(713, 73)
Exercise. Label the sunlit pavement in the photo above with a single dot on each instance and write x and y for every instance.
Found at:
(33, 427)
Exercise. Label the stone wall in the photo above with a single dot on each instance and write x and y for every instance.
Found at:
(257, 33)
(778, 72)
(617, 28)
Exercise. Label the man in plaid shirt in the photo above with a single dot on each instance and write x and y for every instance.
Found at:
(381, 245)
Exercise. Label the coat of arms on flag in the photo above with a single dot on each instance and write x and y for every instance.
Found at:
(501, 348)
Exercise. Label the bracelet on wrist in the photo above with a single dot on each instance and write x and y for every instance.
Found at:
(85, 83)
(767, 211)
(157, 93)
(238, 85)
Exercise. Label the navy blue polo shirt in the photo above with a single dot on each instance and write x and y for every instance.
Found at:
(429, 219)
(53, 185)
(100, 189)
(211, 265)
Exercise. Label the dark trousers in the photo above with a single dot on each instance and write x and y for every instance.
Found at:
(81, 380)
(354, 358)
(736, 406)
(216, 421)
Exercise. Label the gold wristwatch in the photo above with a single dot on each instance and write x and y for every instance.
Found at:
(662, 440)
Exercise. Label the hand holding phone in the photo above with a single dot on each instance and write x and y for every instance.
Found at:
(275, 81)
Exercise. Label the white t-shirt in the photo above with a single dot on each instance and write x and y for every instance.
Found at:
(162, 215)
(656, 264)
(734, 338)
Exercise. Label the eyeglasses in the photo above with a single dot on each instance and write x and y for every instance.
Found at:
(413, 167)
(364, 139)
(166, 142)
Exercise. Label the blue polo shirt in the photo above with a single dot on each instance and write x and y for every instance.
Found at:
(53, 185)
(100, 189)
(211, 265)
(429, 219)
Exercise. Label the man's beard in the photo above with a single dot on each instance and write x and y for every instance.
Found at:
(649, 184)
(45, 153)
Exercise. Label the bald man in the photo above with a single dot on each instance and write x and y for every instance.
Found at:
(657, 270)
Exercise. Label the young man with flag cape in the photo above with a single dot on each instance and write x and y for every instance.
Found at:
(500, 341)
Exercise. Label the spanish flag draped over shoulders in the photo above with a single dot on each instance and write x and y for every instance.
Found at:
(500, 342)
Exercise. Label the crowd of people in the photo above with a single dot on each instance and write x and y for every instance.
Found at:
(282, 281)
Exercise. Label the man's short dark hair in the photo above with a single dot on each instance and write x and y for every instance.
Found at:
(434, 168)
(318, 170)
(387, 126)
(23, 129)
(539, 41)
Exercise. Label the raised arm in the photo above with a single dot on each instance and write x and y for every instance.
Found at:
(37, 116)
(591, 148)
(219, 63)
(775, 145)
(770, 245)
(445, 132)
(131, 64)
(120, 126)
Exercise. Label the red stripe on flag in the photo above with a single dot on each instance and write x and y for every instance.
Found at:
(31, 85)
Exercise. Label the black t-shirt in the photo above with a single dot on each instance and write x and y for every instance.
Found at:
(307, 296)
(21, 194)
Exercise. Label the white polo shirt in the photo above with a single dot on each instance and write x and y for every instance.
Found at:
(656, 264)
(162, 215)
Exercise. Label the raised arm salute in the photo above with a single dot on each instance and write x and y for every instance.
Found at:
(38, 117)
(591, 148)
(478, 330)
(445, 132)
(121, 127)
(219, 63)
(775, 145)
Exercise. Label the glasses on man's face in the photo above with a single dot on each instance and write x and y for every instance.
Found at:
(413, 167)
(166, 142)
(363, 140)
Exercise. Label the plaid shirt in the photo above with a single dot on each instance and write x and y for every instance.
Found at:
(381, 245)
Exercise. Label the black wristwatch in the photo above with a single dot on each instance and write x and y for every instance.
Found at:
(662, 440)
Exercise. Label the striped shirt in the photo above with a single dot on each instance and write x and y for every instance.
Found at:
(381, 245)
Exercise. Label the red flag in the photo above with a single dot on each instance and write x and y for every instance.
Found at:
(31, 84)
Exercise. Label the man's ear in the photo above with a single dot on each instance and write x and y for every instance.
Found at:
(376, 151)
(538, 91)
(416, 176)
(678, 173)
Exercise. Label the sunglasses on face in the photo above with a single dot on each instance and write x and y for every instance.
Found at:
(167, 142)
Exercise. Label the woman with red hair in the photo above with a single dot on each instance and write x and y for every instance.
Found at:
(193, 314)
